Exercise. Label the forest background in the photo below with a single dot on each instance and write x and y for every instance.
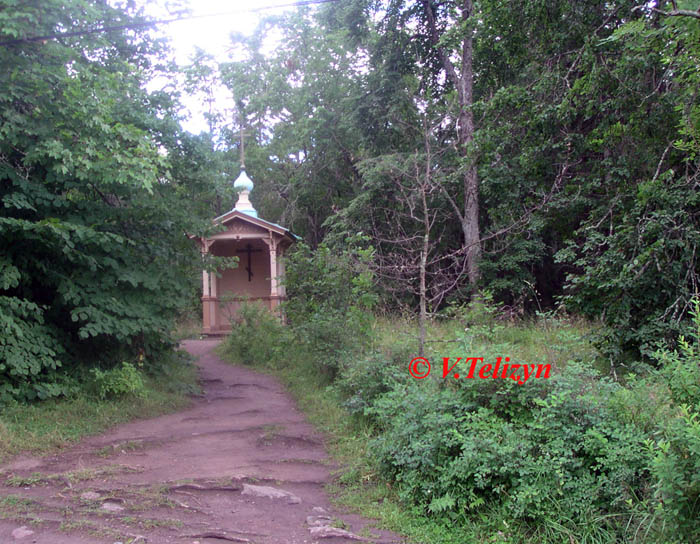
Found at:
(475, 164)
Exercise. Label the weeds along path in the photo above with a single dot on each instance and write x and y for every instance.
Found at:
(242, 465)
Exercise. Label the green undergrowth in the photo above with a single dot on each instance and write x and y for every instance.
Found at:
(588, 455)
(188, 326)
(262, 342)
(106, 398)
(581, 451)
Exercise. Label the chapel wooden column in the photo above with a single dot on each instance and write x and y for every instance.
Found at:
(209, 298)
(206, 313)
(274, 290)
(206, 294)
(281, 288)
(214, 303)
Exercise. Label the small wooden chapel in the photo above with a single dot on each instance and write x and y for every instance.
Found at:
(259, 246)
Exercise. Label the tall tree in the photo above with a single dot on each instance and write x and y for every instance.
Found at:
(94, 186)
(301, 145)
(460, 15)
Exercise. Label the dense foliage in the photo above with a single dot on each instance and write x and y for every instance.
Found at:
(576, 457)
(95, 184)
(328, 313)
(585, 140)
(573, 457)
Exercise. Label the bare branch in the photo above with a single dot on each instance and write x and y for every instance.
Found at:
(435, 40)
(661, 161)
(672, 13)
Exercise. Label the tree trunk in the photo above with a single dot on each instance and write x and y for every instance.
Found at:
(462, 80)
(470, 220)
(423, 316)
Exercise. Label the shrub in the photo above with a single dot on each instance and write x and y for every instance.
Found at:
(258, 337)
(676, 462)
(364, 377)
(330, 300)
(117, 382)
(552, 452)
(681, 367)
(639, 274)
(676, 470)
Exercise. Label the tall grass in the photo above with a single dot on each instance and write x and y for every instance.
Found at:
(50, 425)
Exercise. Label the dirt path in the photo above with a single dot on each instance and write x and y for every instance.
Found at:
(242, 465)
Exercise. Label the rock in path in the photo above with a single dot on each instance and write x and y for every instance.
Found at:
(332, 532)
(21, 532)
(269, 493)
(112, 507)
(318, 521)
(90, 496)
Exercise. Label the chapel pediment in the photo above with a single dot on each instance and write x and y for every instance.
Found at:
(239, 226)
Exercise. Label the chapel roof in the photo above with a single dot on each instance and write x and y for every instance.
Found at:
(245, 211)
